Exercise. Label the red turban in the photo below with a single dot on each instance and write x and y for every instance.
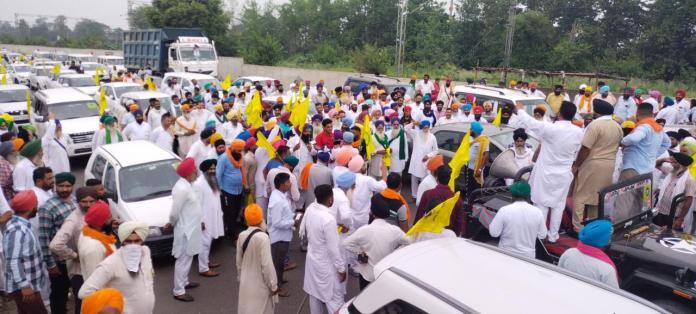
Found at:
(478, 110)
(186, 167)
(681, 93)
(250, 142)
(97, 214)
(24, 201)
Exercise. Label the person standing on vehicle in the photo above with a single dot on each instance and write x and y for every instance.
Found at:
(209, 194)
(54, 144)
(325, 270)
(594, 165)
(51, 217)
(374, 241)
(625, 107)
(588, 259)
(23, 173)
(258, 285)
(551, 177)
(185, 218)
(519, 224)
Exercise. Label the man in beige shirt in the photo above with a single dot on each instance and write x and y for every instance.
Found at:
(594, 165)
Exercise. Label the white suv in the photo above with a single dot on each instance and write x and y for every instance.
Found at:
(456, 275)
(13, 101)
(499, 96)
(78, 115)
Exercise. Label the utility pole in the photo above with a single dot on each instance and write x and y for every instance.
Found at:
(508, 40)
(400, 36)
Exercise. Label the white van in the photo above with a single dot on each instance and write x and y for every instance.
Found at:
(20, 73)
(139, 177)
(13, 101)
(78, 115)
(184, 80)
(82, 82)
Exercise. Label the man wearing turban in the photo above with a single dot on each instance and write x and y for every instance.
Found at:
(669, 112)
(138, 130)
(107, 300)
(587, 258)
(97, 240)
(231, 178)
(203, 148)
(186, 128)
(678, 181)
(258, 285)
(429, 182)
(209, 194)
(424, 147)
(128, 270)
(110, 134)
(23, 174)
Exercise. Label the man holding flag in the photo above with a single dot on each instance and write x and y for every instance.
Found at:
(436, 196)
(478, 155)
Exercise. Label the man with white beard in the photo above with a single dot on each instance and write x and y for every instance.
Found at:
(209, 194)
(185, 129)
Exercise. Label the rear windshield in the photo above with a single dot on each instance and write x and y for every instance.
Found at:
(15, 95)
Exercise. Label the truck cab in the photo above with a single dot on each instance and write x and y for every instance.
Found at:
(193, 54)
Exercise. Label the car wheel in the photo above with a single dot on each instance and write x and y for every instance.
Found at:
(674, 306)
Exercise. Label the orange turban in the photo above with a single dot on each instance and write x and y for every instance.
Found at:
(253, 214)
(133, 107)
(102, 298)
(24, 201)
(185, 107)
(343, 156)
(18, 143)
(455, 106)
(237, 145)
(435, 162)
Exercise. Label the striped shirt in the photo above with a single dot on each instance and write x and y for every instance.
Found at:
(24, 265)
(51, 217)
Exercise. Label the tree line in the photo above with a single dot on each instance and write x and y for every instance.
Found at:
(86, 33)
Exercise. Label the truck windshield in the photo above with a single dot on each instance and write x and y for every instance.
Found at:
(80, 81)
(197, 53)
(15, 95)
(147, 181)
(74, 110)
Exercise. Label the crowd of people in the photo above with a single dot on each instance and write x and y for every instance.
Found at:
(331, 167)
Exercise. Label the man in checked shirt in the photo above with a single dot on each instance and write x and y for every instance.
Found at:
(24, 266)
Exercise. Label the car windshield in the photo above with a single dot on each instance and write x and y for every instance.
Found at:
(79, 81)
(125, 89)
(21, 68)
(409, 89)
(89, 66)
(165, 102)
(530, 104)
(73, 110)
(197, 53)
(505, 140)
(42, 71)
(147, 181)
(16, 95)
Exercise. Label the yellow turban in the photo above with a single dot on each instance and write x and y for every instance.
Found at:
(97, 301)
(628, 124)
(218, 107)
(215, 137)
(129, 227)
(233, 114)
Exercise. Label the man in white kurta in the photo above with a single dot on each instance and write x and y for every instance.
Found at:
(325, 269)
(202, 149)
(154, 113)
(552, 175)
(424, 147)
(138, 130)
(186, 218)
(398, 146)
(54, 144)
(23, 174)
(365, 187)
(163, 135)
(186, 129)
(208, 191)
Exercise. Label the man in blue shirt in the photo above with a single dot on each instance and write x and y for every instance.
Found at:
(280, 223)
(231, 180)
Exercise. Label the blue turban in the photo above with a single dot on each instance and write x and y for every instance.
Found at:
(369, 102)
(596, 233)
(137, 112)
(324, 156)
(668, 101)
(466, 107)
(424, 123)
(210, 124)
(426, 97)
(346, 180)
(604, 89)
(348, 137)
(291, 160)
(476, 127)
(347, 121)
(317, 117)
(244, 135)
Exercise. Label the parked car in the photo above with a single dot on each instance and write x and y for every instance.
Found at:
(82, 82)
(142, 98)
(112, 64)
(77, 112)
(20, 73)
(40, 76)
(90, 68)
(13, 101)
(499, 96)
(81, 57)
(252, 79)
(139, 177)
(184, 80)
(114, 90)
(383, 82)
(456, 275)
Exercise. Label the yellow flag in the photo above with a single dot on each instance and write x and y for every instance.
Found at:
(102, 102)
(3, 69)
(3, 81)
(298, 117)
(151, 84)
(437, 218)
(253, 111)
(460, 158)
(97, 77)
(366, 136)
(498, 118)
(263, 142)
(27, 96)
(56, 69)
(226, 83)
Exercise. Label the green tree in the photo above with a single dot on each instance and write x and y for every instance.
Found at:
(371, 59)
(534, 38)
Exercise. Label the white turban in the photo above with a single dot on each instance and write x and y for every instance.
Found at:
(127, 228)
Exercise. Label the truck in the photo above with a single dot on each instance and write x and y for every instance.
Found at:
(169, 50)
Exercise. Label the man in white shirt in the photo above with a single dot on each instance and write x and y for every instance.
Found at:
(429, 182)
(519, 224)
(138, 130)
(533, 91)
(163, 135)
(280, 223)
(587, 258)
(201, 149)
(375, 241)
(669, 112)
(154, 113)
(22, 176)
(682, 105)
(425, 86)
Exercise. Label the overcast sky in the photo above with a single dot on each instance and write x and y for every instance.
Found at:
(109, 12)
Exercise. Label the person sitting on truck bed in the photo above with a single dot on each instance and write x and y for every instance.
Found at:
(588, 259)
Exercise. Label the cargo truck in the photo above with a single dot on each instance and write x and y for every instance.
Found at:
(170, 50)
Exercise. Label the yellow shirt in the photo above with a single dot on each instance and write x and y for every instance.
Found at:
(555, 102)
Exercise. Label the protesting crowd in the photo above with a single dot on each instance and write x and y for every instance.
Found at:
(348, 174)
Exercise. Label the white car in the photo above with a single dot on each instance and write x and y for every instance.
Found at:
(184, 79)
(139, 177)
(20, 73)
(82, 82)
(81, 57)
(456, 275)
(142, 98)
(77, 112)
(13, 101)
(114, 90)
(251, 79)
(112, 64)
(90, 68)
(40, 76)
(500, 96)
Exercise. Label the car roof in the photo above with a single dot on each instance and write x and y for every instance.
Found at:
(76, 75)
(474, 275)
(147, 94)
(255, 78)
(463, 127)
(384, 80)
(62, 94)
(110, 57)
(121, 84)
(497, 92)
(189, 75)
(136, 152)
(20, 64)
(13, 87)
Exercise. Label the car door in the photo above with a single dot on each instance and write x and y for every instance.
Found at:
(448, 142)
(111, 186)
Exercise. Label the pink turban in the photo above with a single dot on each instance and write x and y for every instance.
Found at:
(654, 93)
(356, 163)
(343, 156)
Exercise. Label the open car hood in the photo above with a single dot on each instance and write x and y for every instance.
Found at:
(659, 245)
